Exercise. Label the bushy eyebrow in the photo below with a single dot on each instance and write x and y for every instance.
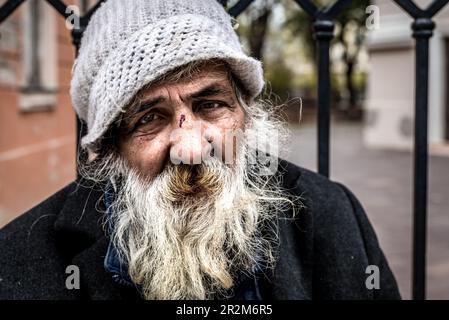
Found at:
(208, 91)
(211, 90)
(150, 103)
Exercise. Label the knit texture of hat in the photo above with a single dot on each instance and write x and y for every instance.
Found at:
(127, 44)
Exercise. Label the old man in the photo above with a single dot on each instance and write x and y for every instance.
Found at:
(182, 194)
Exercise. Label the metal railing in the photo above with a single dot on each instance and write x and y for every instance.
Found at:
(324, 24)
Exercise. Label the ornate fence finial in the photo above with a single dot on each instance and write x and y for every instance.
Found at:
(224, 3)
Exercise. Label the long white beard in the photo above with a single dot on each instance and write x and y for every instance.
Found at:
(190, 231)
(187, 233)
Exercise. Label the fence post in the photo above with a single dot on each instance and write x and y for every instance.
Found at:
(324, 31)
(422, 31)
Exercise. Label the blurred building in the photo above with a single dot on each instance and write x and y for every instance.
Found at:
(390, 96)
(37, 122)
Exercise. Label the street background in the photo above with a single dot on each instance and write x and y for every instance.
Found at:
(382, 181)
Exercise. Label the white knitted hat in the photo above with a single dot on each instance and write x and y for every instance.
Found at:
(127, 44)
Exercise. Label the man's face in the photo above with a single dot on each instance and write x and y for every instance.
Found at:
(187, 231)
(168, 115)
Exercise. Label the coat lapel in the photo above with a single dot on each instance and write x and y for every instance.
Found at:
(292, 276)
(80, 230)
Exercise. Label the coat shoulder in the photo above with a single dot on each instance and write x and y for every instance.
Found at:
(330, 202)
(315, 190)
(46, 210)
(343, 242)
(29, 256)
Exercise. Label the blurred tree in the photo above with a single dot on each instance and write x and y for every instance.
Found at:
(350, 35)
(279, 77)
(255, 29)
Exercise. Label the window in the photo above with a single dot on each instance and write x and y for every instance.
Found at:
(39, 88)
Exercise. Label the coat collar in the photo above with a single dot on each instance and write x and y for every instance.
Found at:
(79, 227)
(82, 215)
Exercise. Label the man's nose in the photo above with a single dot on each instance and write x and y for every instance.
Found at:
(189, 144)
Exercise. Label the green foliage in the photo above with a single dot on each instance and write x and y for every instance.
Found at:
(279, 79)
(349, 34)
(301, 24)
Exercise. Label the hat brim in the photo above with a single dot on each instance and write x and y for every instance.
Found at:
(153, 51)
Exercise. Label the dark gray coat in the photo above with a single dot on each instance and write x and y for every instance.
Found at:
(323, 253)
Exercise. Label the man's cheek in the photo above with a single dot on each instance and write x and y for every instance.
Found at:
(230, 120)
(148, 156)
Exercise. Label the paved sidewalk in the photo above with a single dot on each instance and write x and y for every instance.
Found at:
(383, 182)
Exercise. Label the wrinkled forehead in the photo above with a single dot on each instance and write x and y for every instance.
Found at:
(190, 79)
(186, 79)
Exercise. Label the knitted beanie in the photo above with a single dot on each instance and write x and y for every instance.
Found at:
(127, 44)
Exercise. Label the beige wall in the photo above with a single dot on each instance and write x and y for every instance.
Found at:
(390, 90)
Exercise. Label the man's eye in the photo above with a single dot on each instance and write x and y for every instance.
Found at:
(150, 117)
(211, 105)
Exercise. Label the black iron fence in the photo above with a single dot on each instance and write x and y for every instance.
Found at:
(324, 23)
